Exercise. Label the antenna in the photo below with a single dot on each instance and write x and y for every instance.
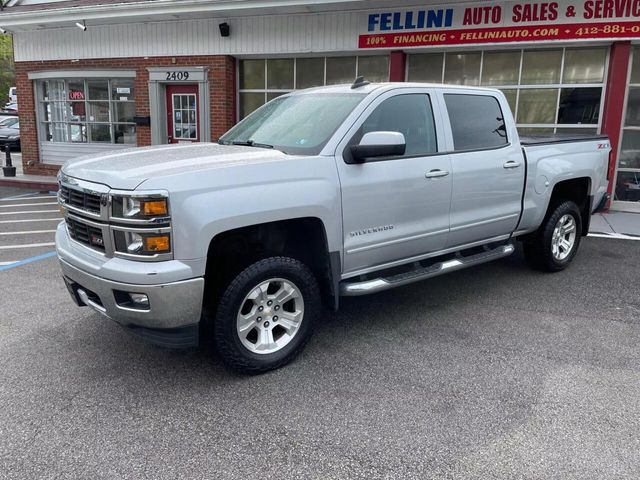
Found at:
(359, 82)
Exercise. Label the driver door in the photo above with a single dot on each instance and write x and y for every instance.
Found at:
(395, 208)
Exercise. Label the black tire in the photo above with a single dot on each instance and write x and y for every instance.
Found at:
(538, 250)
(225, 334)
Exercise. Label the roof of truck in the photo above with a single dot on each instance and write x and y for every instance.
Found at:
(384, 86)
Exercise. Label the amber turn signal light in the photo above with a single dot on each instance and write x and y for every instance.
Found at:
(156, 244)
(154, 207)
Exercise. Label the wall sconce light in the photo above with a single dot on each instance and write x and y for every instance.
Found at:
(225, 29)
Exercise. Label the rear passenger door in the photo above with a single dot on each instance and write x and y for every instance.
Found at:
(488, 167)
(395, 208)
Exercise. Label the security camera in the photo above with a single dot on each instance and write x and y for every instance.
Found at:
(82, 26)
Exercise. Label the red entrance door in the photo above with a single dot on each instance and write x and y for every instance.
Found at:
(183, 113)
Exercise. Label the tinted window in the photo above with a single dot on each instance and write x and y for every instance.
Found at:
(410, 115)
(476, 121)
(579, 105)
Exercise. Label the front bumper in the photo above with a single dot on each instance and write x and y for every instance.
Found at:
(174, 306)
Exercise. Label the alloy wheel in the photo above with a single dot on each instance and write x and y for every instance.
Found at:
(564, 237)
(270, 316)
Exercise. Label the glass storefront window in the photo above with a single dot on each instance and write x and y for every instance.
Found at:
(550, 90)
(579, 105)
(78, 133)
(252, 74)
(122, 90)
(537, 105)
(78, 111)
(76, 90)
(263, 80)
(374, 69)
(280, 74)
(541, 67)
(56, 131)
(98, 89)
(635, 66)
(98, 111)
(87, 110)
(500, 68)
(100, 133)
(124, 112)
(340, 70)
(426, 67)
(627, 186)
(250, 101)
(309, 72)
(584, 65)
(632, 117)
(53, 90)
(462, 68)
(630, 151)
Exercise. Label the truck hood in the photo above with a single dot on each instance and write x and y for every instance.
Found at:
(127, 169)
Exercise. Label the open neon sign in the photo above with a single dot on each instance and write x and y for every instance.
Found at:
(76, 95)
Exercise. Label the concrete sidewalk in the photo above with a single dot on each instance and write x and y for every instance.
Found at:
(616, 223)
(33, 182)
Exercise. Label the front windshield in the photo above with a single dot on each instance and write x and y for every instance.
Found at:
(297, 124)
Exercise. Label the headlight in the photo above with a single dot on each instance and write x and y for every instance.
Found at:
(134, 207)
(142, 243)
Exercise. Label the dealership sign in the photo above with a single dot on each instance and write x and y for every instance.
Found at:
(501, 22)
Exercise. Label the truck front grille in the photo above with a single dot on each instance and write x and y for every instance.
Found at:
(79, 199)
(85, 234)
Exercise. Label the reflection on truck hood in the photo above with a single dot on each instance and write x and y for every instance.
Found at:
(126, 169)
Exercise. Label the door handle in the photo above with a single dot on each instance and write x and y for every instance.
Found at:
(436, 173)
(511, 164)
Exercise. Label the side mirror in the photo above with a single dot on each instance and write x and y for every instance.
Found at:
(378, 144)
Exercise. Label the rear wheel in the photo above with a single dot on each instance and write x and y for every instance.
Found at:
(265, 317)
(557, 240)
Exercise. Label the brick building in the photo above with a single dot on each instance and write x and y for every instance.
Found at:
(101, 75)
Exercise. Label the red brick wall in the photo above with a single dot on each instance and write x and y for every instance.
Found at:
(221, 75)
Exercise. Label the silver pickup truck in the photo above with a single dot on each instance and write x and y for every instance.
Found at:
(321, 193)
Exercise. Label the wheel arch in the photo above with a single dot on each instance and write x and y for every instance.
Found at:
(304, 239)
(577, 190)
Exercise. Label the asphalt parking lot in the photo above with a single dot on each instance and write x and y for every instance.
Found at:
(491, 372)
(28, 220)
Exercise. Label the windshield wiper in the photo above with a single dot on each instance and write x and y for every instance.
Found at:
(251, 143)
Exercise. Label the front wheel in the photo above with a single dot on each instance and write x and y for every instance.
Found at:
(265, 317)
(557, 240)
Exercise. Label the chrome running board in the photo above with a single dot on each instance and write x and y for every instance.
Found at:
(350, 289)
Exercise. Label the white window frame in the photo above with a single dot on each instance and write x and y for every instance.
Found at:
(85, 76)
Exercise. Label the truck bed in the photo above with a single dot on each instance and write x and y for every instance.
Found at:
(531, 140)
